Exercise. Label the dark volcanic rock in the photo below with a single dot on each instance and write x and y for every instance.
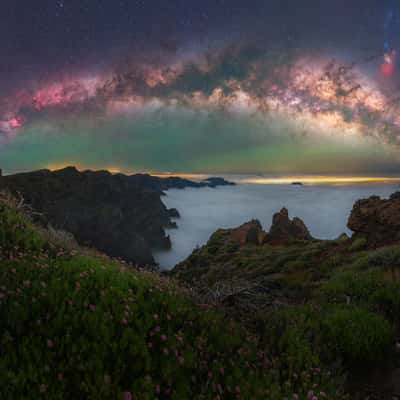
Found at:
(249, 233)
(215, 181)
(284, 229)
(376, 219)
(395, 196)
(114, 213)
(173, 213)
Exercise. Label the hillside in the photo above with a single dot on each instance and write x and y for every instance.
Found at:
(77, 325)
(250, 315)
(337, 300)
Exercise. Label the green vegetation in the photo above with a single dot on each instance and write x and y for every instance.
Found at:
(334, 304)
(85, 327)
(77, 325)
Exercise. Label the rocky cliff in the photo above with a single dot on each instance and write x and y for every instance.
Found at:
(119, 214)
(114, 213)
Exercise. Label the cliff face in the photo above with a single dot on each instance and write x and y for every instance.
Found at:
(120, 215)
(113, 213)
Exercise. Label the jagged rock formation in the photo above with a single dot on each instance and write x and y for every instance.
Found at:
(376, 219)
(284, 229)
(249, 233)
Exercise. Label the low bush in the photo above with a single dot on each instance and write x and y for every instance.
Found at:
(356, 334)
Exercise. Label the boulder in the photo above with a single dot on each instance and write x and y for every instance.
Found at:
(376, 219)
(284, 229)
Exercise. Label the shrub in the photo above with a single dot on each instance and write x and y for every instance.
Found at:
(17, 233)
(387, 300)
(356, 334)
(351, 286)
(386, 257)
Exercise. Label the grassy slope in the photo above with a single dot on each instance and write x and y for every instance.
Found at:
(85, 327)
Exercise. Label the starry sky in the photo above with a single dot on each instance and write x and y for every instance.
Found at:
(211, 86)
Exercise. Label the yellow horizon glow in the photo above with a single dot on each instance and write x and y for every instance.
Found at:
(320, 179)
(117, 170)
(307, 179)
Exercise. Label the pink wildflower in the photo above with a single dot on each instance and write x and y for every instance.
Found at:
(127, 396)
(50, 343)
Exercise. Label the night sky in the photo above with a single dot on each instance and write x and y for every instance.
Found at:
(211, 86)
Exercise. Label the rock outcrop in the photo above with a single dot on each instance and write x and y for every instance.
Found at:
(284, 229)
(376, 219)
(249, 233)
